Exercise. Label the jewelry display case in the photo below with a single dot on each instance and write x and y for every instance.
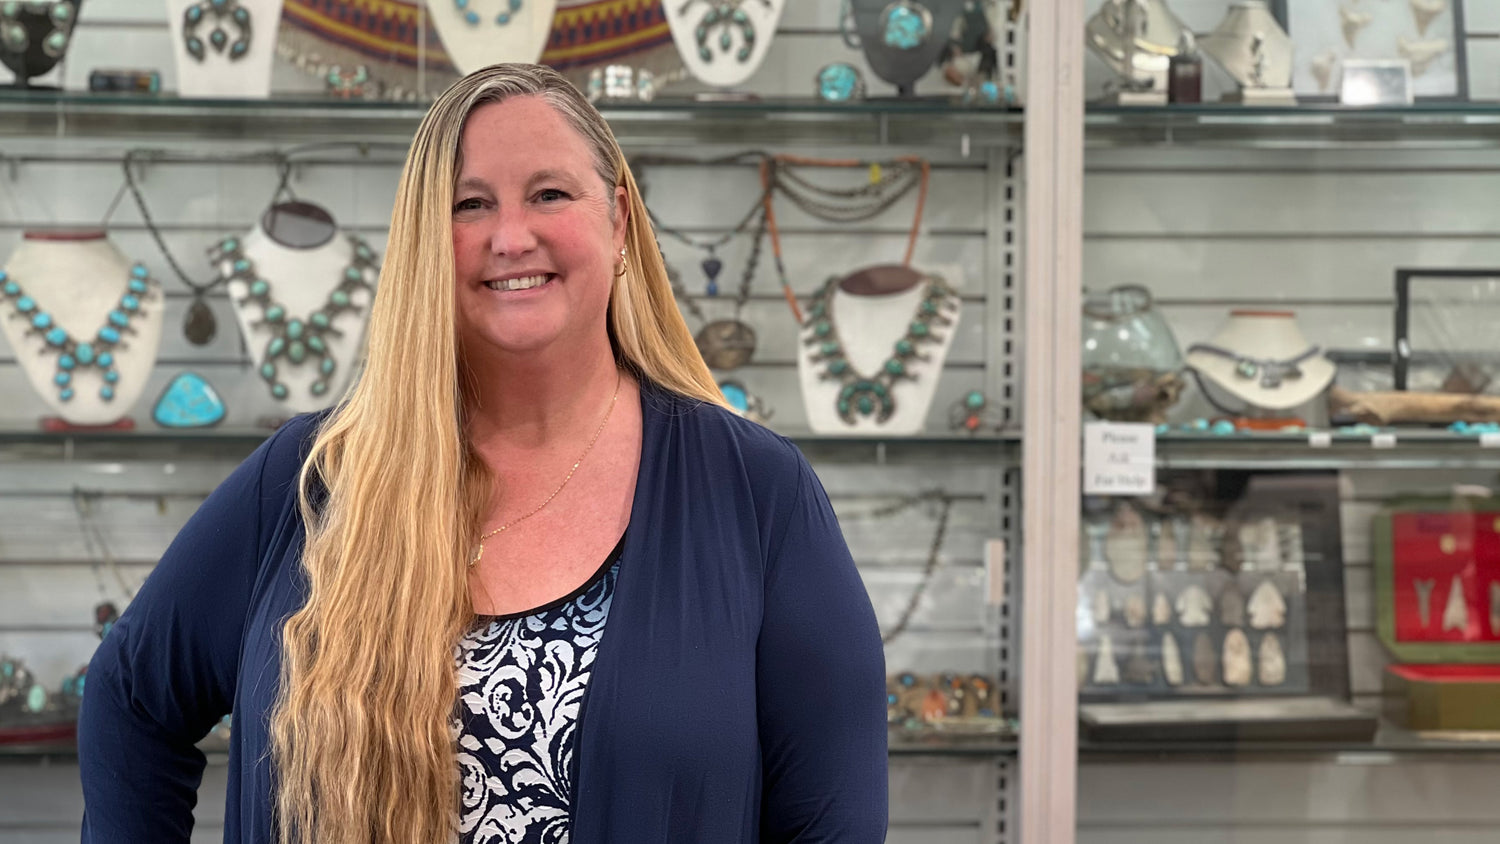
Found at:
(1267, 228)
(774, 209)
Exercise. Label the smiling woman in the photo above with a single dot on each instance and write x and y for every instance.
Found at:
(530, 580)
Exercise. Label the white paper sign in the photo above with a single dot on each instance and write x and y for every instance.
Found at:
(1119, 459)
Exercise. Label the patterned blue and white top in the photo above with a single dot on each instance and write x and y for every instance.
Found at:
(521, 682)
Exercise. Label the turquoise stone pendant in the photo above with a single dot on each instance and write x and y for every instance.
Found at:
(840, 83)
(905, 25)
(189, 402)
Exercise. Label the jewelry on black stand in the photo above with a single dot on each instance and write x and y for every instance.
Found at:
(34, 36)
(221, 11)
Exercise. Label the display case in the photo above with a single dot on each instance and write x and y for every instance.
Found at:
(149, 177)
(1308, 226)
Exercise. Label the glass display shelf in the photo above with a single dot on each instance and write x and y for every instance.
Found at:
(1426, 125)
(1002, 448)
(1391, 744)
(217, 751)
(1416, 448)
(880, 121)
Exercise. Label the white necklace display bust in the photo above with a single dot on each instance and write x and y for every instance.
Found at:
(1265, 339)
(873, 310)
(723, 43)
(479, 33)
(223, 48)
(304, 264)
(78, 280)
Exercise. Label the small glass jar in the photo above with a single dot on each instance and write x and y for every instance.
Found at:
(1132, 368)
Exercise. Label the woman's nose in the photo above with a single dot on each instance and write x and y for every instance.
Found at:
(512, 233)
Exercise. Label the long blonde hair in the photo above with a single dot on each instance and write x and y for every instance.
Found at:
(392, 496)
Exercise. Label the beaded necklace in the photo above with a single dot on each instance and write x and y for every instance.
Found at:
(870, 395)
(75, 356)
(296, 341)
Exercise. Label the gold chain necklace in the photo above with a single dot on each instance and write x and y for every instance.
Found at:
(479, 552)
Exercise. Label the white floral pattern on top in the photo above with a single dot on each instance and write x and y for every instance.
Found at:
(521, 683)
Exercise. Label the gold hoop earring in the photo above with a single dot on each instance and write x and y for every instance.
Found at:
(624, 265)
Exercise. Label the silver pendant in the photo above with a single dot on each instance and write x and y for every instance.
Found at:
(1236, 659)
(1456, 614)
(726, 344)
(1267, 607)
(1272, 661)
(1125, 546)
(1171, 660)
(1193, 607)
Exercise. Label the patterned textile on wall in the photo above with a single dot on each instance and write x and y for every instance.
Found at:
(405, 56)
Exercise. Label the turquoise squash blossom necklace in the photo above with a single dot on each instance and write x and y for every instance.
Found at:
(871, 395)
(297, 341)
(73, 355)
(727, 17)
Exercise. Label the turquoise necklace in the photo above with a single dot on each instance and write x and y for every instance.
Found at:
(73, 355)
(472, 18)
(298, 341)
(870, 395)
(726, 16)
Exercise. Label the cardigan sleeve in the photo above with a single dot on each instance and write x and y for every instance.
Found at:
(820, 678)
(166, 671)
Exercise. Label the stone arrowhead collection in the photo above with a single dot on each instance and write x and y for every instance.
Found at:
(1190, 605)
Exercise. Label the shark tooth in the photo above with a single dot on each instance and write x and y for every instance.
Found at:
(1425, 11)
(1322, 68)
(1421, 53)
(1353, 22)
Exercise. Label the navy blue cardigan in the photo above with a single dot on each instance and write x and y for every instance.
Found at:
(738, 696)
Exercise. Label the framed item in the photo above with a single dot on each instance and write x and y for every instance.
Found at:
(1427, 34)
(1229, 588)
(1437, 579)
(1444, 321)
(1376, 82)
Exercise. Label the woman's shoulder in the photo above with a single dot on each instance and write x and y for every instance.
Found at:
(284, 452)
(723, 436)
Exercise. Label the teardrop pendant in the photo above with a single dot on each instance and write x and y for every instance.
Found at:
(712, 266)
(200, 326)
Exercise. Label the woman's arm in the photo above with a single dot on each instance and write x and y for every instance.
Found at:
(821, 686)
(166, 672)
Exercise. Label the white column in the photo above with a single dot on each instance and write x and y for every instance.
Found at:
(1053, 221)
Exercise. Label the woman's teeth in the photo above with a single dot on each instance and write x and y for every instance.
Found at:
(518, 283)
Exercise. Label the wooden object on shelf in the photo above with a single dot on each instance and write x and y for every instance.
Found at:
(1394, 408)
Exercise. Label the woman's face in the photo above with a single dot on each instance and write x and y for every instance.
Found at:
(534, 242)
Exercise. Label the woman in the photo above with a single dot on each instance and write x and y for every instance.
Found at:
(530, 580)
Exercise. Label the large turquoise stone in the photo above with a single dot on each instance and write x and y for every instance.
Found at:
(85, 353)
(130, 303)
(106, 360)
(109, 335)
(11, 288)
(905, 28)
(119, 318)
(36, 699)
(41, 321)
(189, 402)
(736, 396)
(57, 336)
(294, 329)
(838, 83)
